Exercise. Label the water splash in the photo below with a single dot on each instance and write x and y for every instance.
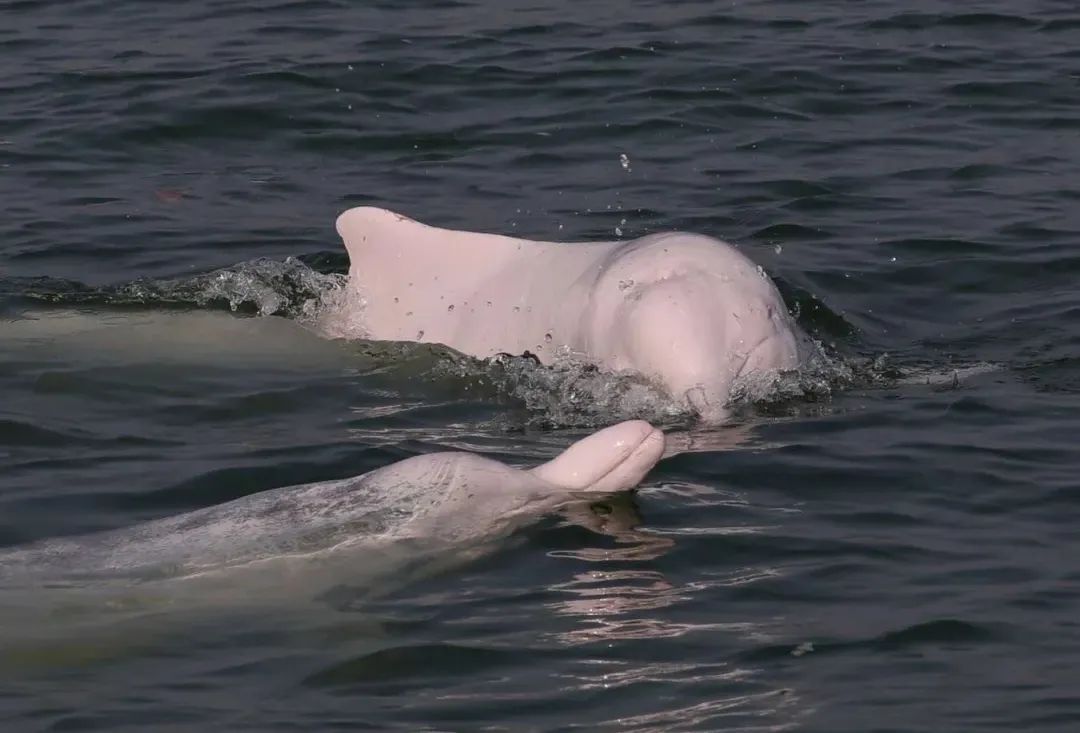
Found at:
(265, 287)
(571, 392)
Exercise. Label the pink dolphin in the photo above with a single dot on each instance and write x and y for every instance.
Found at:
(686, 310)
(454, 498)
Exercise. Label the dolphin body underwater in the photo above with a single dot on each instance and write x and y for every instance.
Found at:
(446, 500)
(690, 312)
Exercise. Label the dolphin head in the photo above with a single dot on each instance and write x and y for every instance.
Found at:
(463, 497)
(613, 459)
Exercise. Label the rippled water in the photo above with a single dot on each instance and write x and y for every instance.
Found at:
(890, 548)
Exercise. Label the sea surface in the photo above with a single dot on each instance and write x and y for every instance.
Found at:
(889, 543)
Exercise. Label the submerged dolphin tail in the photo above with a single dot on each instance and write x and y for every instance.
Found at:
(613, 459)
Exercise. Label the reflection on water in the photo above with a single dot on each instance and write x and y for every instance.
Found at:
(750, 712)
(743, 711)
(628, 598)
(612, 604)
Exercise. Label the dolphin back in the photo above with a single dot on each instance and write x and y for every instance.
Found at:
(290, 520)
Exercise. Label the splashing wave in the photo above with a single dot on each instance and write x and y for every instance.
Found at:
(570, 392)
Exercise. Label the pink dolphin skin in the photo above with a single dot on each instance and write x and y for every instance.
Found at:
(688, 311)
(450, 496)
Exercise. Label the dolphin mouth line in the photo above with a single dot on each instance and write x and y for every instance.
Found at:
(634, 452)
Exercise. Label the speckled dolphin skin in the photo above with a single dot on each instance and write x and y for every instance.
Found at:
(686, 310)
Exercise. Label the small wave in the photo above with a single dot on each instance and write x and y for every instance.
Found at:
(572, 391)
(264, 287)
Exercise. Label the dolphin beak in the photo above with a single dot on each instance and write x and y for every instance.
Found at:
(641, 446)
(613, 459)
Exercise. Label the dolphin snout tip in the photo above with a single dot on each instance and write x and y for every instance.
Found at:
(646, 443)
(638, 435)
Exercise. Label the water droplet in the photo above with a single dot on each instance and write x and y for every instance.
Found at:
(778, 248)
(450, 308)
(547, 337)
(761, 271)
(489, 304)
(618, 232)
(624, 161)
(419, 334)
(517, 309)
(396, 300)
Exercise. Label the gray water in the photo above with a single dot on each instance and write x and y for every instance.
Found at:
(889, 545)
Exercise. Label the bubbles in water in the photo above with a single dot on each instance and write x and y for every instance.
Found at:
(573, 392)
(267, 287)
(624, 161)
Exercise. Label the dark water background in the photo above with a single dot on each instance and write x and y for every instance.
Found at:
(896, 557)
